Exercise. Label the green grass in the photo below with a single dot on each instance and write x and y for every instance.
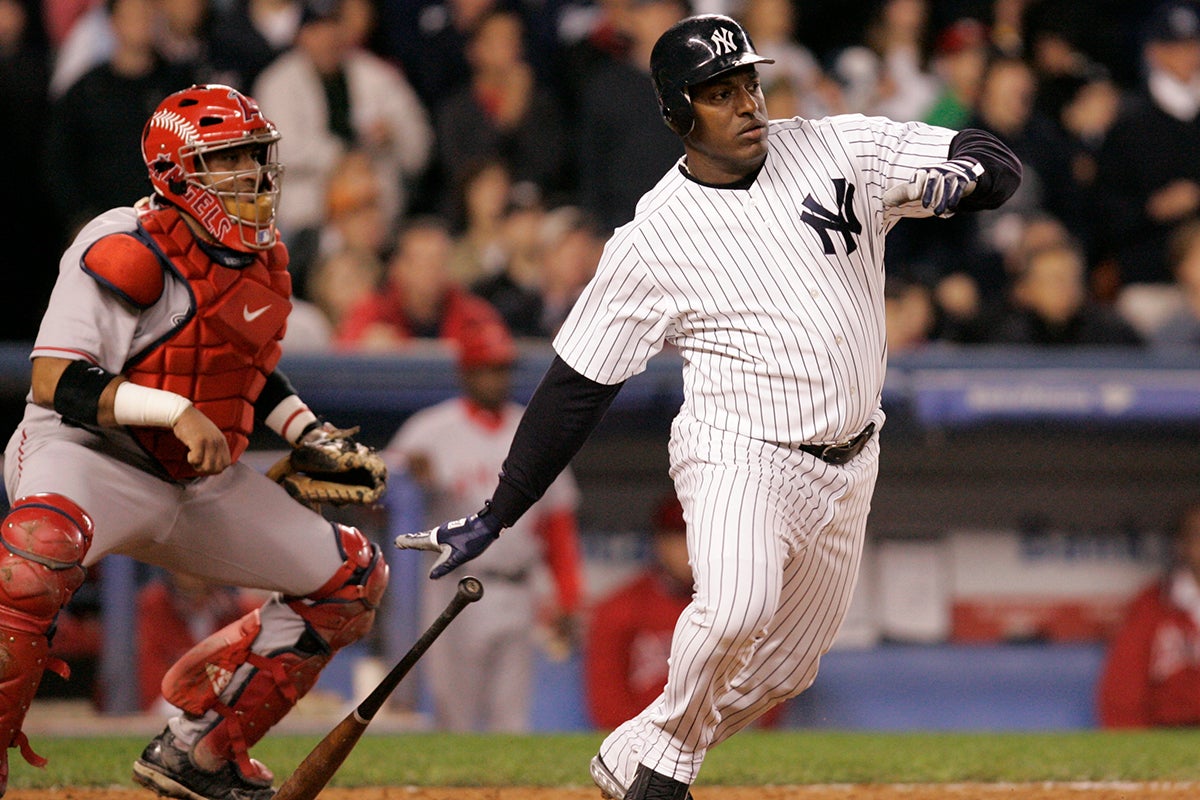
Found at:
(751, 758)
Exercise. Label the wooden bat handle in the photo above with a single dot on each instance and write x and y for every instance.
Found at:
(469, 590)
(319, 765)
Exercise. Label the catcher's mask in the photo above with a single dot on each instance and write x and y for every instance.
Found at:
(692, 51)
(236, 207)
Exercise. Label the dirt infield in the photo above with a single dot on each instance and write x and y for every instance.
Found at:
(956, 791)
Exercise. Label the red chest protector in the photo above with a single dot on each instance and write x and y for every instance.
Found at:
(219, 357)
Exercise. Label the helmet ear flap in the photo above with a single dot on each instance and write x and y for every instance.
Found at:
(677, 111)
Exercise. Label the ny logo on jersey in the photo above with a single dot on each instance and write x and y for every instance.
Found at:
(843, 220)
(722, 40)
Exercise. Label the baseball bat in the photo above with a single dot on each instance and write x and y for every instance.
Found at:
(319, 765)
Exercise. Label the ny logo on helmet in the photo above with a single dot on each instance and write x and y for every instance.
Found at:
(722, 39)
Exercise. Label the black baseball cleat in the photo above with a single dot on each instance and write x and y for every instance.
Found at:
(647, 784)
(168, 770)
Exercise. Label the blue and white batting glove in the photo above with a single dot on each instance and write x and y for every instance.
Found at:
(939, 187)
(458, 541)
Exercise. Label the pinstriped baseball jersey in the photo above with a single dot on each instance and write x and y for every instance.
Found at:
(773, 294)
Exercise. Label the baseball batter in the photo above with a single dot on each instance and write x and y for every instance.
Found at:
(760, 257)
(453, 450)
(155, 356)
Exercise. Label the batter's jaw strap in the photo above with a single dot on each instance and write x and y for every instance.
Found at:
(44, 539)
(250, 691)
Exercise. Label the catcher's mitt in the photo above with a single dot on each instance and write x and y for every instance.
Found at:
(330, 467)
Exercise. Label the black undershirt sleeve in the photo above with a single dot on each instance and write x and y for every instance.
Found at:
(1002, 168)
(273, 393)
(563, 411)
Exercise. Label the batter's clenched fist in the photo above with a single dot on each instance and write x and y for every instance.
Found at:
(938, 187)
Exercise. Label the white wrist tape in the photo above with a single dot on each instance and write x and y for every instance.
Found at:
(141, 405)
(290, 418)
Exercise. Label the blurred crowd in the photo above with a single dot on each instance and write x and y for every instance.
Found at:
(452, 160)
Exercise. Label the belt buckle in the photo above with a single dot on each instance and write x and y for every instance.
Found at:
(836, 453)
(830, 451)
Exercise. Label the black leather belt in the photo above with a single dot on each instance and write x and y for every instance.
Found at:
(839, 453)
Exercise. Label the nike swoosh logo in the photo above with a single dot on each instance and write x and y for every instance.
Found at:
(250, 316)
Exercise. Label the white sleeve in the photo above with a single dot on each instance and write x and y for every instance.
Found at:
(621, 319)
(900, 150)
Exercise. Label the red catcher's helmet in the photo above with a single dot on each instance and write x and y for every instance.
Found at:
(238, 207)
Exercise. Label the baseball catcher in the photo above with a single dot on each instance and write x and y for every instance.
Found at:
(156, 359)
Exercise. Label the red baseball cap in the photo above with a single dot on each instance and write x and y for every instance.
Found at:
(486, 344)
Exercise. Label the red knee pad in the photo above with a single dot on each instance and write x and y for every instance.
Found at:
(44, 538)
(343, 610)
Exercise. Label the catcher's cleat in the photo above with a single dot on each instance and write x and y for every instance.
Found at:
(611, 788)
(167, 770)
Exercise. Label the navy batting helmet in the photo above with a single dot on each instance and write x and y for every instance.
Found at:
(692, 51)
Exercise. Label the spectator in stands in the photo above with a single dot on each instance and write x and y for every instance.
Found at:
(570, 248)
(183, 33)
(1182, 325)
(83, 40)
(24, 83)
(886, 74)
(515, 288)
(360, 19)
(503, 113)
(419, 298)
(1151, 675)
(309, 329)
(592, 37)
(1030, 234)
(1006, 109)
(481, 203)
(247, 35)
(1050, 305)
(342, 280)
(795, 85)
(960, 56)
(90, 165)
(629, 631)
(353, 218)
(910, 315)
(1088, 112)
(623, 145)
(60, 17)
(1144, 190)
(327, 97)
(429, 38)
(174, 613)
(898, 34)
(1054, 33)
(454, 450)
